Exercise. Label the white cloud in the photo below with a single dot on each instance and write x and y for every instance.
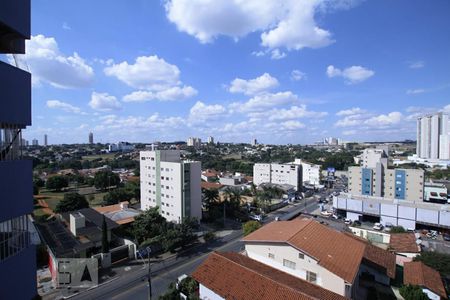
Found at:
(283, 24)
(201, 112)
(349, 132)
(63, 106)
(48, 64)
(294, 112)
(148, 72)
(173, 93)
(258, 53)
(353, 74)
(277, 54)
(66, 26)
(264, 101)
(253, 86)
(416, 64)
(351, 111)
(446, 108)
(292, 125)
(297, 75)
(104, 102)
(415, 91)
(384, 120)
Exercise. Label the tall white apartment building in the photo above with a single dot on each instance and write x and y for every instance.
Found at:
(171, 184)
(433, 140)
(310, 172)
(371, 157)
(279, 174)
(210, 140)
(194, 142)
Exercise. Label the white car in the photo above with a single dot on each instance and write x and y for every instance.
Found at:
(256, 217)
(388, 227)
(326, 213)
(377, 226)
(348, 221)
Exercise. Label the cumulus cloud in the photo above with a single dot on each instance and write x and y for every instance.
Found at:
(253, 86)
(49, 65)
(173, 93)
(283, 24)
(155, 78)
(264, 101)
(352, 75)
(292, 125)
(104, 102)
(384, 120)
(201, 112)
(277, 54)
(351, 111)
(297, 75)
(56, 104)
(294, 112)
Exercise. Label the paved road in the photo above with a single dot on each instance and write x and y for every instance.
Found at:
(134, 285)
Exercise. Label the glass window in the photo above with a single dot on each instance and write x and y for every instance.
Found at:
(271, 255)
(289, 264)
(311, 277)
(301, 255)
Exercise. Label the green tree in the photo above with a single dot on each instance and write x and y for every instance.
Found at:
(105, 243)
(148, 225)
(57, 183)
(38, 182)
(116, 196)
(106, 179)
(413, 292)
(71, 202)
(210, 197)
(397, 229)
(250, 226)
(436, 260)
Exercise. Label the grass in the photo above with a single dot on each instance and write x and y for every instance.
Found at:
(53, 198)
(102, 156)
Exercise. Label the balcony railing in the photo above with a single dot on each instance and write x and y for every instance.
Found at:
(10, 142)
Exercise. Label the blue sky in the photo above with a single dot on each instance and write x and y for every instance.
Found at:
(280, 71)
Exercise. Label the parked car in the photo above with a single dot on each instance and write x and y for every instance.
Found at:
(256, 217)
(326, 213)
(446, 236)
(348, 221)
(388, 227)
(378, 226)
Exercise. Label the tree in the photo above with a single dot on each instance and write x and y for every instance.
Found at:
(106, 179)
(250, 226)
(57, 183)
(116, 196)
(210, 197)
(397, 229)
(105, 244)
(149, 224)
(38, 182)
(71, 202)
(413, 292)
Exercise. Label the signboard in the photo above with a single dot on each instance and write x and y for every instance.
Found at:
(77, 272)
(331, 170)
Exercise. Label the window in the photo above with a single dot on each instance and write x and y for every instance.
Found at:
(311, 277)
(271, 255)
(301, 256)
(289, 264)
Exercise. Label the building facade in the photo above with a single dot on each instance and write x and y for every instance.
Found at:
(278, 174)
(433, 140)
(91, 138)
(45, 140)
(17, 254)
(310, 172)
(210, 140)
(194, 142)
(171, 184)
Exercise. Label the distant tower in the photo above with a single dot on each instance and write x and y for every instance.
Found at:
(254, 142)
(45, 140)
(91, 138)
(35, 142)
(210, 140)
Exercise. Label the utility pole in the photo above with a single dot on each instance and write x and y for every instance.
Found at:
(224, 212)
(149, 278)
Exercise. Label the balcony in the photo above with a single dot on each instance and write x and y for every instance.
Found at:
(15, 92)
(14, 25)
(16, 188)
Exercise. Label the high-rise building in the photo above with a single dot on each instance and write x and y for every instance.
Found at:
(91, 138)
(254, 142)
(171, 184)
(35, 142)
(433, 140)
(45, 140)
(194, 142)
(17, 254)
(310, 172)
(371, 157)
(278, 174)
(210, 140)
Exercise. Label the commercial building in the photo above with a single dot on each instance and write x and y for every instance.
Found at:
(210, 140)
(120, 147)
(194, 142)
(45, 140)
(17, 254)
(278, 174)
(310, 172)
(436, 193)
(433, 140)
(91, 138)
(171, 184)
(371, 157)
(327, 258)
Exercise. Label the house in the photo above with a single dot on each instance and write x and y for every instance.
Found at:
(417, 273)
(404, 246)
(217, 278)
(318, 254)
(120, 213)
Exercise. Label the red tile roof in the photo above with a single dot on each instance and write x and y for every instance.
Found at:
(333, 250)
(404, 242)
(235, 276)
(417, 273)
(210, 185)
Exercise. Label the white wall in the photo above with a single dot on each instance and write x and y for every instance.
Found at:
(207, 294)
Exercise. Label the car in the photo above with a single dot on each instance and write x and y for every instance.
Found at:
(256, 217)
(326, 213)
(378, 226)
(348, 221)
(336, 217)
(388, 227)
(356, 223)
(446, 236)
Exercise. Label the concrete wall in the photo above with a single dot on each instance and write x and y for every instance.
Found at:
(207, 294)
(325, 278)
(354, 180)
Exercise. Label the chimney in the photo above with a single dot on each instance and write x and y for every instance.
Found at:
(77, 220)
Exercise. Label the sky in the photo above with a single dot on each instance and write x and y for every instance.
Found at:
(283, 72)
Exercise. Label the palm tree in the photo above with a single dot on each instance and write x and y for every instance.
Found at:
(210, 197)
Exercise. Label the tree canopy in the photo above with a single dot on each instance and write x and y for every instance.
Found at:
(57, 183)
(250, 226)
(106, 179)
(71, 202)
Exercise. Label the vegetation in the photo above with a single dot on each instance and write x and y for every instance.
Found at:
(187, 286)
(57, 183)
(439, 174)
(209, 236)
(397, 229)
(71, 202)
(436, 260)
(250, 226)
(413, 292)
(106, 179)
(117, 195)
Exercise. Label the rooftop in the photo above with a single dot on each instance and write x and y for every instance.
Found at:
(417, 273)
(333, 250)
(255, 280)
(404, 242)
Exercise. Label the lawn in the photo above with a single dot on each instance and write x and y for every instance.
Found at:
(53, 198)
(102, 156)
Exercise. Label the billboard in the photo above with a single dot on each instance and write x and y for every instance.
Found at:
(77, 272)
